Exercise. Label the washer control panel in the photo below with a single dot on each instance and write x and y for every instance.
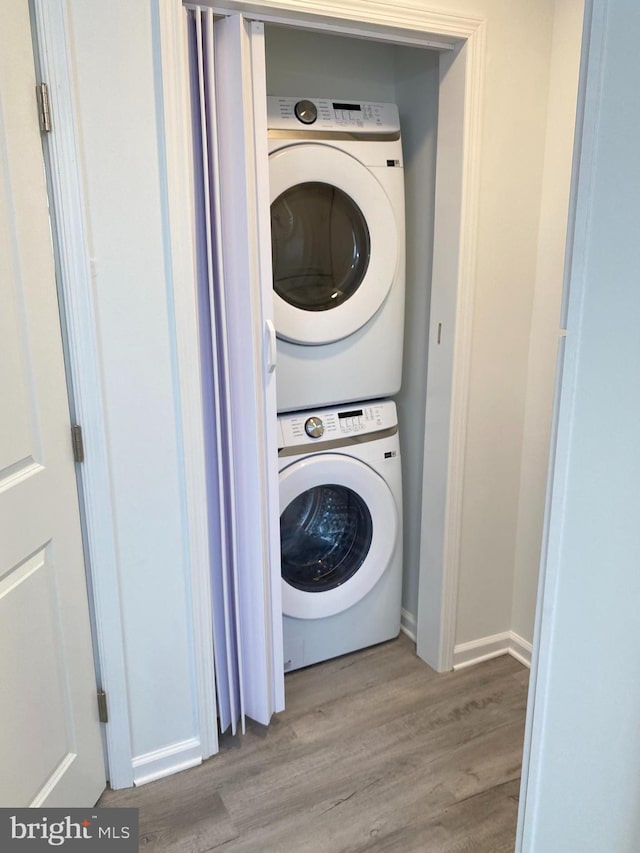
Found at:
(307, 428)
(328, 114)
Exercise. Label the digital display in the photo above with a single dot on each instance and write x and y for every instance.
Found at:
(347, 107)
(356, 413)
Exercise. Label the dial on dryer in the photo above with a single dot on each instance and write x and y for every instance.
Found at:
(306, 112)
(314, 427)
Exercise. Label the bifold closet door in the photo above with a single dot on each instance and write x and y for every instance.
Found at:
(238, 346)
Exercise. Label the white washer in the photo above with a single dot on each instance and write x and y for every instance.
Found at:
(338, 249)
(341, 530)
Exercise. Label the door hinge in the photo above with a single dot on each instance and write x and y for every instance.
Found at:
(103, 716)
(44, 107)
(77, 443)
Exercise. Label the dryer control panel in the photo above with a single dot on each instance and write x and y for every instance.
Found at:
(329, 114)
(306, 428)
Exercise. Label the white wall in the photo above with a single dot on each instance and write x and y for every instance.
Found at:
(545, 319)
(115, 89)
(584, 785)
(512, 157)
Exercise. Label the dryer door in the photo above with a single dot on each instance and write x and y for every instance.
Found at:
(334, 243)
(338, 530)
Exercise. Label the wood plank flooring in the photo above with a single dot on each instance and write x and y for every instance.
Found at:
(375, 751)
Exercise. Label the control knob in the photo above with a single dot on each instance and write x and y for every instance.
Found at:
(306, 112)
(314, 427)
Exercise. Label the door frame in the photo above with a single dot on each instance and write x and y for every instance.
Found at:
(51, 45)
(461, 42)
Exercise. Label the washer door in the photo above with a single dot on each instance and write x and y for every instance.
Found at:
(338, 529)
(334, 243)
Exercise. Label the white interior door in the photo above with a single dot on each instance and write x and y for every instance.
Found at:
(50, 744)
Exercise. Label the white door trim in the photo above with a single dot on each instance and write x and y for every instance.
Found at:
(386, 22)
(450, 337)
(81, 342)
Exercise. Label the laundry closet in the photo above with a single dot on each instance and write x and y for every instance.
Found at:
(316, 65)
(270, 77)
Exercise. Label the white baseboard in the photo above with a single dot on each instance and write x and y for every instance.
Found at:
(163, 762)
(520, 649)
(408, 624)
(507, 643)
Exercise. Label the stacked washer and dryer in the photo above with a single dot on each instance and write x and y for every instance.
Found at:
(338, 247)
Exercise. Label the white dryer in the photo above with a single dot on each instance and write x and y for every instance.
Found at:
(338, 249)
(340, 529)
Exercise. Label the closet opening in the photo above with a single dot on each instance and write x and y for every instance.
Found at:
(316, 64)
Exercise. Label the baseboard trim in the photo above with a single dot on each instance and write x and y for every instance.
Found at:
(408, 624)
(507, 643)
(163, 762)
(520, 649)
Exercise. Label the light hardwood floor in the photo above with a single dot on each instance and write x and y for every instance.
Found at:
(375, 751)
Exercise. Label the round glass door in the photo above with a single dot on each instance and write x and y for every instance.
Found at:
(334, 243)
(319, 246)
(325, 536)
(338, 528)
